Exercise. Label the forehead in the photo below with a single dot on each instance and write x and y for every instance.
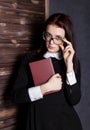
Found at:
(55, 30)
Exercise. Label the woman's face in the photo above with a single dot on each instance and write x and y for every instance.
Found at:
(54, 35)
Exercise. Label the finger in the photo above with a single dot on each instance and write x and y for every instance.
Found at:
(69, 48)
(66, 41)
(58, 75)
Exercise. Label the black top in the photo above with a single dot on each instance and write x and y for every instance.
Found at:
(55, 111)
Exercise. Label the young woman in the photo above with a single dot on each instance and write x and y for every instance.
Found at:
(53, 111)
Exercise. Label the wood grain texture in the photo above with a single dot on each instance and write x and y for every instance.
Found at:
(19, 20)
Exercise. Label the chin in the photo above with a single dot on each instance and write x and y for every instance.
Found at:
(52, 51)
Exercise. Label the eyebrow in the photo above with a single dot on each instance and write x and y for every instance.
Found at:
(55, 35)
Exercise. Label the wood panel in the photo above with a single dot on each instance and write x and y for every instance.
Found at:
(19, 20)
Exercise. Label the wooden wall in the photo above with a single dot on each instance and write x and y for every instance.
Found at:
(18, 21)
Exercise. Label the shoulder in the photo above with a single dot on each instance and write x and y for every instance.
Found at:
(31, 56)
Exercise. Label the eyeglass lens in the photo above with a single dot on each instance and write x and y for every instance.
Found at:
(48, 37)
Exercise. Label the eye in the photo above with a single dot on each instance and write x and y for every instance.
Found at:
(58, 38)
(48, 34)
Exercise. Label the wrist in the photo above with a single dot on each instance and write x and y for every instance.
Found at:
(44, 88)
(69, 67)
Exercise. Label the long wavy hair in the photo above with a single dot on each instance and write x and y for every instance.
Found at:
(63, 21)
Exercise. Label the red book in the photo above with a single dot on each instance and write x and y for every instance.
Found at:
(41, 70)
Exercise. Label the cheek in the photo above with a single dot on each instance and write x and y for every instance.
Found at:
(57, 48)
(46, 44)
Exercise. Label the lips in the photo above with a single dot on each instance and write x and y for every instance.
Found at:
(51, 47)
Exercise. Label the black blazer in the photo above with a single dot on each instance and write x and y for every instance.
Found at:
(55, 111)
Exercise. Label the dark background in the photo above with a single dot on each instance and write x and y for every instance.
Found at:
(79, 10)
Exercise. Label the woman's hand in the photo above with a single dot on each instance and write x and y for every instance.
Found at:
(68, 54)
(53, 84)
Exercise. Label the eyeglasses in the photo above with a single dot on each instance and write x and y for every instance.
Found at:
(48, 37)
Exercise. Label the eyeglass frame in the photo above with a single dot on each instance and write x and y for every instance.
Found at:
(52, 38)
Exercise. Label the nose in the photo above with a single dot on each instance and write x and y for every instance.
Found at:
(51, 41)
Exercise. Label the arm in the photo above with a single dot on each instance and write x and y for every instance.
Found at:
(23, 92)
(20, 88)
(73, 92)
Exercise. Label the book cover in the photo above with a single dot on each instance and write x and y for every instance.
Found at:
(41, 70)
